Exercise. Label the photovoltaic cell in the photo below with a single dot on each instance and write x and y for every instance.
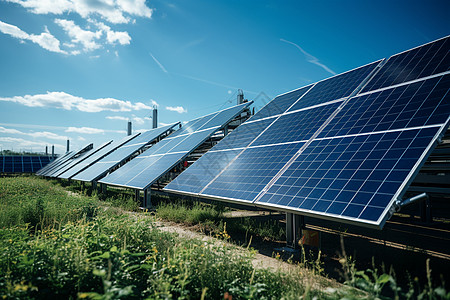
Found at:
(144, 170)
(334, 88)
(423, 61)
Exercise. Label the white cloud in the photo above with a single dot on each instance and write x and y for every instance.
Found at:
(66, 101)
(18, 143)
(47, 135)
(114, 11)
(113, 37)
(178, 109)
(46, 40)
(117, 118)
(154, 103)
(85, 130)
(79, 36)
(9, 131)
(141, 121)
(39, 134)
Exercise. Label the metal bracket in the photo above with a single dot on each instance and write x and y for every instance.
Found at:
(401, 203)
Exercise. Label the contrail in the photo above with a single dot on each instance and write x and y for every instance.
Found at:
(213, 83)
(310, 58)
(159, 64)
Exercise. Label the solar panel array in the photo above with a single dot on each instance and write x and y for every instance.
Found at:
(344, 149)
(145, 169)
(68, 169)
(101, 167)
(62, 161)
(80, 166)
(23, 163)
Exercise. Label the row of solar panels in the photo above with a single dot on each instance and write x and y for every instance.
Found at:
(23, 163)
(92, 164)
(345, 148)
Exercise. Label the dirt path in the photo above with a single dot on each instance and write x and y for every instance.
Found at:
(261, 261)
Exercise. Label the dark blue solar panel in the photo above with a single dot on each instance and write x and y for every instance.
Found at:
(421, 103)
(334, 88)
(8, 164)
(145, 169)
(224, 116)
(246, 176)
(156, 166)
(280, 103)
(351, 177)
(429, 59)
(243, 135)
(298, 126)
(199, 175)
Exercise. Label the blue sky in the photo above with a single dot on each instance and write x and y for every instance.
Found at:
(79, 69)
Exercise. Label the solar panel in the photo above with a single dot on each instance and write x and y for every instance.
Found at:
(281, 133)
(356, 144)
(67, 161)
(57, 163)
(104, 165)
(100, 154)
(337, 87)
(429, 59)
(144, 170)
(67, 171)
(22, 163)
(280, 104)
(52, 164)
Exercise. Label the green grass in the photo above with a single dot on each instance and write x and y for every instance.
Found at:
(80, 247)
(59, 245)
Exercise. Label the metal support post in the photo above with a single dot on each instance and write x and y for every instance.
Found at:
(147, 199)
(294, 226)
(425, 211)
(137, 196)
(103, 188)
